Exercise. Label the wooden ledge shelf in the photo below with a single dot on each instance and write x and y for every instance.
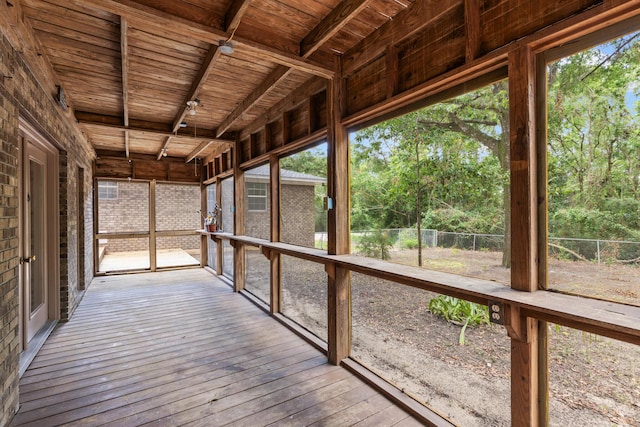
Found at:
(611, 319)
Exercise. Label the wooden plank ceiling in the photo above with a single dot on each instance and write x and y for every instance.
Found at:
(129, 68)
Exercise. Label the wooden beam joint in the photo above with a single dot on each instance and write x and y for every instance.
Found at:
(266, 252)
(519, 327)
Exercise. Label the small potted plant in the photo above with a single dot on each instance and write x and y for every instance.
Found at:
(211, 220)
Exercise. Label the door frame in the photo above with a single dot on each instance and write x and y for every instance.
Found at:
(28, 132)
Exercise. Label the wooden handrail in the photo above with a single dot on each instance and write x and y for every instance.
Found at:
(606, 318)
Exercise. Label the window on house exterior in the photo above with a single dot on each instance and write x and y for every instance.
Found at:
(257, 194)
(107, 190)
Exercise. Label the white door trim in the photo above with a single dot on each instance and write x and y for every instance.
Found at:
(29, 132)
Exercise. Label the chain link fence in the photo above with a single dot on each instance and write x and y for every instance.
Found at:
(600, 251)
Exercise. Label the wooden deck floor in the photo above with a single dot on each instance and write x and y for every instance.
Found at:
(180, 348)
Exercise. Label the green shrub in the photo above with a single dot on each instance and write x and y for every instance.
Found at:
(408, 239)
(375, 244)
(459, 312)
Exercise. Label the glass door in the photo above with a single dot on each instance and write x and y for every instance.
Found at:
(34, 260)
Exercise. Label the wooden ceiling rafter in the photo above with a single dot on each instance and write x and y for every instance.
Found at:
(165, 144)
(331, 25)
(198, 150)
(153, 19)
(124, 55)
(232, 20)
(21, 34)
(472, 27)
(328, 27)
(234, 14)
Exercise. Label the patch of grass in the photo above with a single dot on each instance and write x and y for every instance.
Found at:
(459, 312)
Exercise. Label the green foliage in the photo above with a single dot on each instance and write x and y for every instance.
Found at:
(590, 224)
(408, 239)
(375, 244)
(460, 312)
(457, 221)
(446, 166)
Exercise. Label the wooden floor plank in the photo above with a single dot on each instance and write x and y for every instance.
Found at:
(297, 404)
(357, 412)
(323, 410)
(391, 416)
(178, 348)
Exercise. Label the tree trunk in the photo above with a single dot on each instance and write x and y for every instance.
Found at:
(418, 201)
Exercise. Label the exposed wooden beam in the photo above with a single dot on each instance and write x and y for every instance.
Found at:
(124, 55)
(276, 76)
(472, 26)
(404, 24)
(199, 149)
(196, 86)
(126, 143)
(164, 147)
(331, 24)
(313, 86)
(328, 27)
(234, 14)
(103, 121)
(232, 20)
(145, 17)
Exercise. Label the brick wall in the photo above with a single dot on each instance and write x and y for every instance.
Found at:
(22, 93)
(258, 223)
(177, 208)
(298, 214)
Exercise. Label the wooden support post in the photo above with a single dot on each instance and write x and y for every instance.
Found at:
(219, 244)
(543, 236)
(152, 226)
(524, 261)
(96, 224)
(204, 242)
(339, 291)
(239, 217)
(276, 293)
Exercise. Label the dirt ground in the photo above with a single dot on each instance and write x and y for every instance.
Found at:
(594, 381)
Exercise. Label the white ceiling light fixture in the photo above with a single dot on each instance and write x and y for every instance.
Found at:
(225, 47)
(192, 105)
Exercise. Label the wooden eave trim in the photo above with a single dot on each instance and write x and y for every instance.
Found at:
(406, 23)
(147, 17)
(415, 98)
(294, 99)
(611, 319)
(290, 147)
